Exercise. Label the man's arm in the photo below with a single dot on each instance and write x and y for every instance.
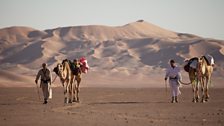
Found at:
(179, 76)
(167, 73)
(37, 77)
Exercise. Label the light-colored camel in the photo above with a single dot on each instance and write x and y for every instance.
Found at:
(204, 71)
(201, 76)
(194, 83)
(67, 77)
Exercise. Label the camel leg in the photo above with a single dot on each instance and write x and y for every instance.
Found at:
(194, 92)
(78, 79)
(193, 81)
(71, 94)
(203, 90)
(197, 91)
(206, 89)
(78, 89)
(66, 88)
(74, 91)
(209, 74)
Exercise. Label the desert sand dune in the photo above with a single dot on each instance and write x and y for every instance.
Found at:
(125, 83)
(138, 51)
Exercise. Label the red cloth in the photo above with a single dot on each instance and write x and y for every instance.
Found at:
(84, 65)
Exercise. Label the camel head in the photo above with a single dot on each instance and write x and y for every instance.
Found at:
(202, 64)
(200, 60)
(60, 71)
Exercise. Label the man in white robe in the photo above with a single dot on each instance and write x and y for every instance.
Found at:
(173, 73)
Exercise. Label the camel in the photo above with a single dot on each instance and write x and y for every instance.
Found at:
(71, 91)
(200, 76)
(195, 83)
(76, 87)
(204, 75)
(66, 77)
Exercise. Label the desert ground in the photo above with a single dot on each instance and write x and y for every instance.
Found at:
(110, 107)
(125, 82)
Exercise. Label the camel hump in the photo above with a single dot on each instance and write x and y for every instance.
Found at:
(65, 60)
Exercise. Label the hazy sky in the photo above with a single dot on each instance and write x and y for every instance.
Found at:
(201, 17)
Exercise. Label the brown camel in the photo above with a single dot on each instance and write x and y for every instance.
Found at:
(76, 87)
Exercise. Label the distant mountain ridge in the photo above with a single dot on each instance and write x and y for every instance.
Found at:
(138, 48)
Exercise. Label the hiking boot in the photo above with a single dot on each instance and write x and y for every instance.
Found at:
(176, 100)
(172, 101)
(45, 102)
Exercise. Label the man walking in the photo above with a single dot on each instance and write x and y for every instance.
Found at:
(45, 76)
(173, 73)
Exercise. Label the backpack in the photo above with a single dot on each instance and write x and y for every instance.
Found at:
(74, 67)
(187, 66)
